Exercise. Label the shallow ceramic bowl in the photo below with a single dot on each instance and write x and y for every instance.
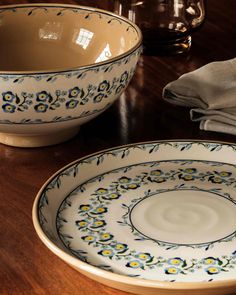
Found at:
(60, 66)
(150, 218)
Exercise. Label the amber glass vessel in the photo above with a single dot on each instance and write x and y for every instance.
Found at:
(167, 25)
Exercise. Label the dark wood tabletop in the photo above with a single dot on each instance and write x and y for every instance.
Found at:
(26, 265)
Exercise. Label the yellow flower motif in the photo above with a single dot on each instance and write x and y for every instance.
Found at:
(175, 261)
(120, 246)
(101, 191)
(172, 270)
(156, 172)
(213, 270)
(134, 264)
(89, 238)
(8, 96)
(105, 236)
(42, 96)
(188, 177)
(209, 261)
(85, 208)
(98, 223)
(113, 196)
(143, 256)
(100, 209)
(74, 92)
(217, 179)
(106, 252)
(132, 185)
(82, 223)
(224, 174)
(189, 170)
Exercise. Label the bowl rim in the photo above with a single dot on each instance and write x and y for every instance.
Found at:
(136, 46)
(86, 268)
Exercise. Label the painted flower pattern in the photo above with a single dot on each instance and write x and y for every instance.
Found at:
(71, 104)
(120, 247)
(8, 108)
(41, 108)
(157, 176)
(93, 223)
(44, 96)
(9, 96)
(104, 86)
(106, 253)
(74, 92)
(82, 223)
(176, 261)
(135, 264)
(172, 270)
(212, 270)
(69, 99)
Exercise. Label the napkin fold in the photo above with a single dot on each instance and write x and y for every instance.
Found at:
(210, 93)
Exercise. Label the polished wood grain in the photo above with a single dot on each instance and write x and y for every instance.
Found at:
(26, 265)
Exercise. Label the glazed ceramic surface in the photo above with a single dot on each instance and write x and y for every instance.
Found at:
(152, 216)
(64, 66)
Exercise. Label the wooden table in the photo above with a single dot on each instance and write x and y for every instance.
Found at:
(26, 265)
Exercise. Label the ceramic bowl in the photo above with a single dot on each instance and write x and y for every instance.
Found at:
(63, 65)
(150, 218)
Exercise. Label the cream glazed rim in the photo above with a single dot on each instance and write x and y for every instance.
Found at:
(86, 66)
(118, 277)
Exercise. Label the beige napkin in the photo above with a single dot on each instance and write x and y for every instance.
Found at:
(210, 92)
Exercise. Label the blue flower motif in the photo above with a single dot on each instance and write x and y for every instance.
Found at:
(210, 260)
(144, 256)
(74, 92)
(89, 239)
(156, 172)
(101, 191)
(124, 179)
(98, 224)
(120, 247)
(134, 264)
(82, 223)
(71, 104)
(112, 196)
(130, 186)
(119, 88)
(186, 177)
(43, 96)
(106, 237)
(215, 179)
(8, 96)
(158, 179)
(124, 77)
(98, 97)
(8, 108)
(106, 253)
(175, 261)
(99, 210)
(85, 207)
(104, 86)
(172, 270)
(190, 170)
(41, 108)
(212, 270)
(224, 174)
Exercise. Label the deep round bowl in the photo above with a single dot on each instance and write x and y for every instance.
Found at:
(63, 65)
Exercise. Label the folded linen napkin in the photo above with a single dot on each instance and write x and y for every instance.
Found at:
(210, 92)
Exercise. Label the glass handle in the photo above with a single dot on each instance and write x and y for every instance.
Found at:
(196, 12)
